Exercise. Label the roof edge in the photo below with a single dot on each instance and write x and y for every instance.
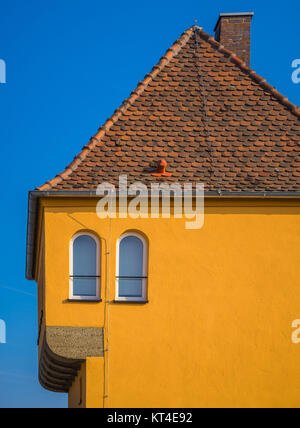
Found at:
(251, 73)
(93, 193)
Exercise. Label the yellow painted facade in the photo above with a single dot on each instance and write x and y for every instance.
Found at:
(216, 331)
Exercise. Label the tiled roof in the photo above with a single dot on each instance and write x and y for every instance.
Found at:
(247, 138)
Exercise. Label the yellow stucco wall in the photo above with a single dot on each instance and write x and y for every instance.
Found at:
(95, 394)
(77, 393)
(87, 390)
(217, 329)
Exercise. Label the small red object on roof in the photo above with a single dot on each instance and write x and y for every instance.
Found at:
(161, 169)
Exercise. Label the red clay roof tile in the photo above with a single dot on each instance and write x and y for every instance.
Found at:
(247, 140)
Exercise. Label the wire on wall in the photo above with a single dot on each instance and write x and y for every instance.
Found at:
(204, 97)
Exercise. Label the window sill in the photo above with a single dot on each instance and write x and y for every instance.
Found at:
(130, 302)
(83, 301)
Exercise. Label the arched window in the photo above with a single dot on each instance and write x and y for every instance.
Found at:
(132, 270)
(84, 267)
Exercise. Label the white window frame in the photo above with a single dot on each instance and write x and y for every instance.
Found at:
(145, 269)
(71, 287)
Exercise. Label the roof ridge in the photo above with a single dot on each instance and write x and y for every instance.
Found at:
(165, 59)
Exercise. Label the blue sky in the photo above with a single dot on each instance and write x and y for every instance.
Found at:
(69, 65)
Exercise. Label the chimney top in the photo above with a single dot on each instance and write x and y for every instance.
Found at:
(233, 30)
(237, 14)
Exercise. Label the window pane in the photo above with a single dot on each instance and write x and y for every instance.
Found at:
(130, 287)
(85, 287)
(131, 257)
(84, 256)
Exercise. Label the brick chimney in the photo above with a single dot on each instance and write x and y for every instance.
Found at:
(233, 30)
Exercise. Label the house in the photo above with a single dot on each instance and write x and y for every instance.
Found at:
(143, 312)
